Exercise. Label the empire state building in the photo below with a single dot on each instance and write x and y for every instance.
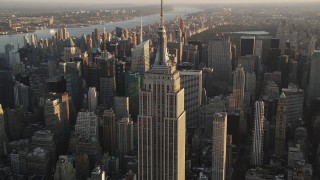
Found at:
(162, 119)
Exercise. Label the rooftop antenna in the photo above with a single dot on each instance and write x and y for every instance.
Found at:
(161, 15)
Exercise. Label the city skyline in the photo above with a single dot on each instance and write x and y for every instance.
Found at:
(156, 2)
(201, 91)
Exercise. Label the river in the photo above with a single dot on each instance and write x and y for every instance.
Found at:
(146, 20)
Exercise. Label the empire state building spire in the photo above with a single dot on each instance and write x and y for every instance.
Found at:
(162, 55)
(161, 15)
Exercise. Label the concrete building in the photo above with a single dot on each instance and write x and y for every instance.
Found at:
(219, 58)
(98, 174)
(219, 144)
(70, 51)
(109, 143)
(207, 112)
(92, 148)
(21, 95)
(107, 91)
(295, 154)
(56, 113)
(258, 134)
(238, 90)
(38, 162)
(82, 166)
(271, 90)
(121, 106)
(18, 161)
(141, 58)
(247, 45)
(124, 137)
(229, 159)
(87, 125)
(45, 140)
(162, 118)
(295, 98)
(248, 63)
(281, 124)
(64, 169)
(191, 81)
(92, 99)
(251, 81)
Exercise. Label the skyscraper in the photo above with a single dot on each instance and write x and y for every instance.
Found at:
(219, 145)
(124, 136)
(281, 121)
(161, 120)
(2, 131)
(132, 88)
(65, 169)
(87, 125)
(219, 58)
(238, 89)
(109, 132)
(314, 83)
(258, 134)
(191, 81)
(92, 99)
(141, 58)
(247, 45)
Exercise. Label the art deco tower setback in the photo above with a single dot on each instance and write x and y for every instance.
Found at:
(161, 120)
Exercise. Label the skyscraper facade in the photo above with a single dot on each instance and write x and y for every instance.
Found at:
(281, 121)
(87, 125)
(161, 120)
(191, 81)
(258, 134)
(238, 89)
(247, 45)
(219, 58)
(132, 88)
(92, 99)
(141, 58)
(2, 131)
(314, 83)
(219, 145)
(109, 132)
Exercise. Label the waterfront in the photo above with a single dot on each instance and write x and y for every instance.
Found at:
(147, 20)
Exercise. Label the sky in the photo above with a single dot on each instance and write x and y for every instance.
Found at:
(152, 1)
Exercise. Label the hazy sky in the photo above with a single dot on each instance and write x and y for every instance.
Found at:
(153, 1)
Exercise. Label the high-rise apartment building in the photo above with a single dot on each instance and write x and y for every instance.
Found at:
(219, 144)
(191, 81)
(281, 124)
(161, 120)
(258, 134)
